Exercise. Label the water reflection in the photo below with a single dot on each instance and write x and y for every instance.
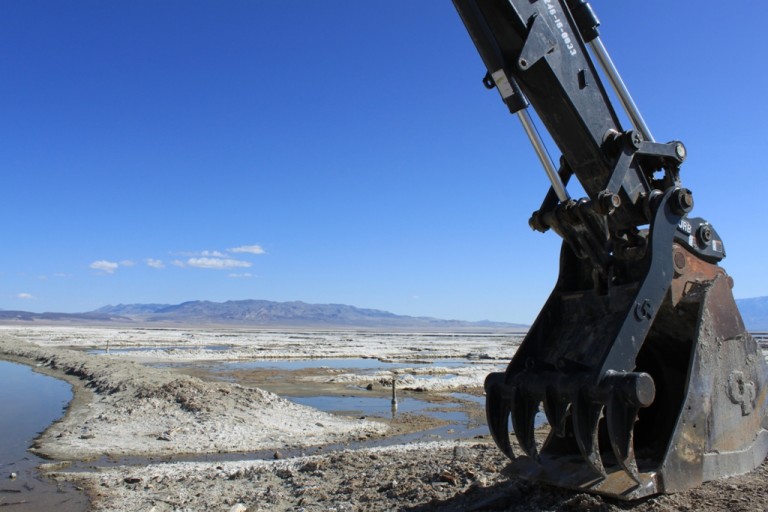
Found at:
(30, 403)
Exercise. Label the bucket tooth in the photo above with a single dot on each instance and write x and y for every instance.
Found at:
(497, 412)
(556, 410)
(620, 417)
(586, 418)
(523, 421)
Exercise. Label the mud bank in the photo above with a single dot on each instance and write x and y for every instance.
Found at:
(126, 409)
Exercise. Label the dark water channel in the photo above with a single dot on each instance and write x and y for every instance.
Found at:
(29, 403)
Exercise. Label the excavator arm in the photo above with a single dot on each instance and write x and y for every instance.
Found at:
(639, 358)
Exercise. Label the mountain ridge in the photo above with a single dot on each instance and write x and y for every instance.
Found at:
(754, 311)
(296, 314)
(259, 312)
(251, 313)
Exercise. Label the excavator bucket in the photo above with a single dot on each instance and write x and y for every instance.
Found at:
(639, 359)
(688, 407)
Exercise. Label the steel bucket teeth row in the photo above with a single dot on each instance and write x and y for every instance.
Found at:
(619, 397)
(586, 419)
(497, 411)
(524, 412)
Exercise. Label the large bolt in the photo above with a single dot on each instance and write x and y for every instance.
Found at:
(678, 259)
(609, 202)
(704, 234)
(643, 390)
(682, 201)
(637, 388)
(680, 151)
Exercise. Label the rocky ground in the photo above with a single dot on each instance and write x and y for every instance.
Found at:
(129, 422)
(426, 477)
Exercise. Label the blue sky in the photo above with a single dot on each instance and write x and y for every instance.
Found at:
(342, 151)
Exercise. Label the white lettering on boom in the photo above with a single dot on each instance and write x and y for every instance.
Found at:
(569, 45)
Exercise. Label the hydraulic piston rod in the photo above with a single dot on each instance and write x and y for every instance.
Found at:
(606, 64)
(541, 152)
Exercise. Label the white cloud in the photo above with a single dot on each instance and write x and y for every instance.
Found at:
(151, 262)
(179, 263)
(108, 267)
(245, 275)
(249, 249)
(217, 263)
(213, 254)
(25, 296)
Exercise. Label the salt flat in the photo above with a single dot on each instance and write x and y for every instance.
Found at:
(138, 437)
(276, 344)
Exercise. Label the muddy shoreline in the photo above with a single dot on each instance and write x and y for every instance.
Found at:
(136, 410)
(124, 438)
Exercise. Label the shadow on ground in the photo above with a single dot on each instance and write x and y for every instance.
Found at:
(522, 496)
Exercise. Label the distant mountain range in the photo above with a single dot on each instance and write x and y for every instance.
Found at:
(754, 312)
(251, 313)
(265, 313)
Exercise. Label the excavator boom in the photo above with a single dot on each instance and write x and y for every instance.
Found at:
(639, 359)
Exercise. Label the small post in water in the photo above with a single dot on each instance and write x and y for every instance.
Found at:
(394, 392)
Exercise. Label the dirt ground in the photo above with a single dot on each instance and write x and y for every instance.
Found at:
(448, 477)
(139, 438)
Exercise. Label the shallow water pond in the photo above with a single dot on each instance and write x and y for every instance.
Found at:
(30, 403)
(376, 406)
